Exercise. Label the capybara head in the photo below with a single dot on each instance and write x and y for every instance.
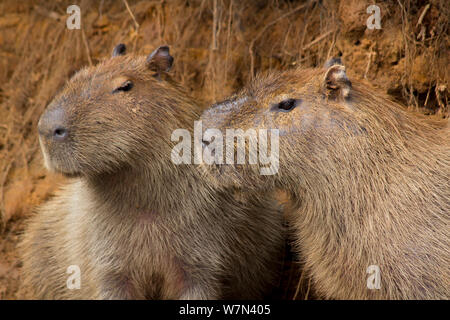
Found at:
(318, 114)
(120, 112)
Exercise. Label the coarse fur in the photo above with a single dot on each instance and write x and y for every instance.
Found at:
(137, 225)
(369, 182)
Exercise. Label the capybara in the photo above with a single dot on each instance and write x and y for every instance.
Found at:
(368, 181)
(132, 222)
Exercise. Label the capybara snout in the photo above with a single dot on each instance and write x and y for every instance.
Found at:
(52, 125)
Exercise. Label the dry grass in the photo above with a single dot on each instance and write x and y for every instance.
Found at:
(218, 45)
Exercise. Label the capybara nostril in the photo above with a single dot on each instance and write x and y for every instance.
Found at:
(60, 134)
(52, 125)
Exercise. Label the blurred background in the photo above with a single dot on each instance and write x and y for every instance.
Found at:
(218, 46)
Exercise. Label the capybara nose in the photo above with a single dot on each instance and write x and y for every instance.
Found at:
(52, 125)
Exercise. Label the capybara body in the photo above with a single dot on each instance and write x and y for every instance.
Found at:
(137, 225)
(369, 182)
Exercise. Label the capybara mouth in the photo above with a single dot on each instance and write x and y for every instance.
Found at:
(71, 174)
(215, 169)
(64, 167)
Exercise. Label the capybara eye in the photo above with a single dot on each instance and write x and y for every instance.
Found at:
(126, 86)
(286, 105)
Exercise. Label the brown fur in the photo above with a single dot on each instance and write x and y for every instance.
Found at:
(137, 225)
(368, 182)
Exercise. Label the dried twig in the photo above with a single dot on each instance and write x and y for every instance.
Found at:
(214, 27)
(428, 95)
(213, 48)
(306, 21)
(330, 49)
(318, 39)
(86, 45)
(230, 11)
(421, 34)
(136, 24)
(49, 14)
(2, 198)
(422, 15)
(369, 62)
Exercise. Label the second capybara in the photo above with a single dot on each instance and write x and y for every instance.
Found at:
(368, 181)
(132, 224)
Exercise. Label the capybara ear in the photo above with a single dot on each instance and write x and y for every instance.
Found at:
(160, 60)
(336, 82)
(119, 50)
(333, 61)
